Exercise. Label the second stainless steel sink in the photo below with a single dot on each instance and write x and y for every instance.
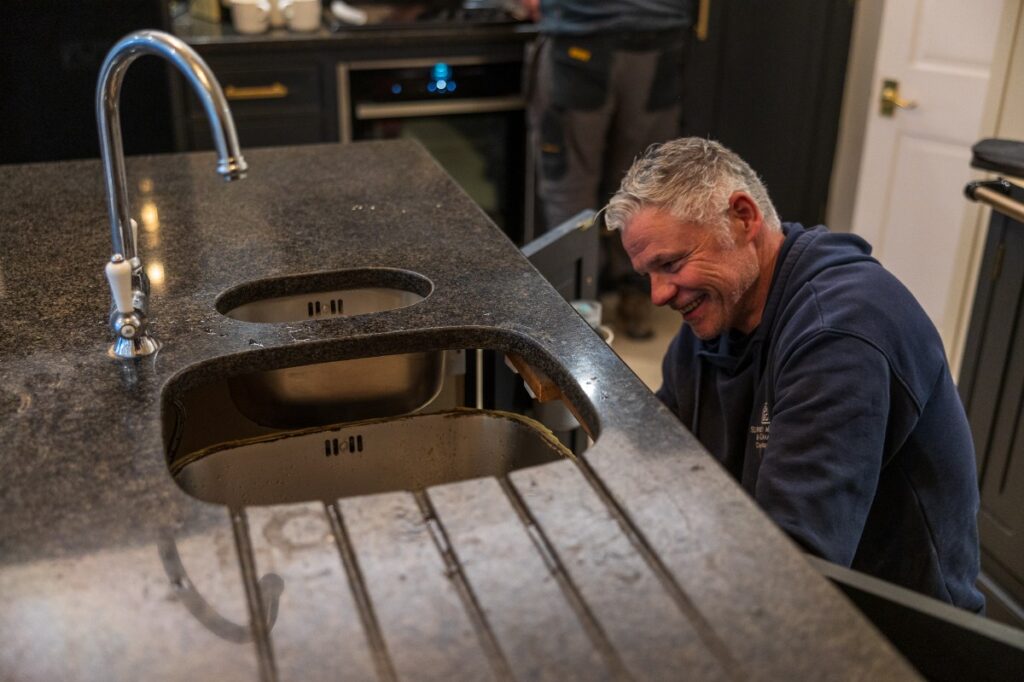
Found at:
(382, 455)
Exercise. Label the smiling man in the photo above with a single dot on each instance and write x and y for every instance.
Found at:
(807, 370)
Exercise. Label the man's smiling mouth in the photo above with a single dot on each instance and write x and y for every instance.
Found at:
(692, 305)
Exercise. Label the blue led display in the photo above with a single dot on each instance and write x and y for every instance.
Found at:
(440, 72)
(441, 82)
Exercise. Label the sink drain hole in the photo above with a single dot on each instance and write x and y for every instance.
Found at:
(317, 308)
(333, 446)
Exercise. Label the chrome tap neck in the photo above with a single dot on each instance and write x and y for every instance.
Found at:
(129, 326)
(230, 164)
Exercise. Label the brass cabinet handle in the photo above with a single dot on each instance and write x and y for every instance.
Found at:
(273, 91)
(703, 16)
(891, 100)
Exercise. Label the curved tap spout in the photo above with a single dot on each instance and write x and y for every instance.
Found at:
(132, 340)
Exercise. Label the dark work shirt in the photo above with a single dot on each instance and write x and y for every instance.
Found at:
(579, 17)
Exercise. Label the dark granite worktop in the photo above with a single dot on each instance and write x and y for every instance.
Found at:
(644, 560)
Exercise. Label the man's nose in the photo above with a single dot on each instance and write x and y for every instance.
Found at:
(662, 290)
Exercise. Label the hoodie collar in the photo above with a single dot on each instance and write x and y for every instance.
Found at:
(734, 350)
(797, 240)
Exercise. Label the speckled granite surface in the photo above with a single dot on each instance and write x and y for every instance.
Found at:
(109, 571)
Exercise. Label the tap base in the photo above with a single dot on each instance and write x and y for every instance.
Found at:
(136, 347)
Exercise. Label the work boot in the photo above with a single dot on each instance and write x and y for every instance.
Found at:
(635, 312)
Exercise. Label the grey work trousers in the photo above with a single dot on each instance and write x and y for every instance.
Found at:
(596, 103)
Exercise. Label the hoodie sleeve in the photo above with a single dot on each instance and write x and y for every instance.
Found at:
(822, 461)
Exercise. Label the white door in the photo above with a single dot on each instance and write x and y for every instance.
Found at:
(910, 204)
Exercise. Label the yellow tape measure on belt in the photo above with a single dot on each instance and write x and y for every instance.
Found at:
(579, 54)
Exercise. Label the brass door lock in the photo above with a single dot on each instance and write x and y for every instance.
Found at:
(891, 100)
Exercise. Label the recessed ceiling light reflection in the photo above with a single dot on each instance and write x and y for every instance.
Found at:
(155, 272)
(150, 217)
(146, 185)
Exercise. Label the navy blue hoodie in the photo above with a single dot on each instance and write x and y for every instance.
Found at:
(839, 416)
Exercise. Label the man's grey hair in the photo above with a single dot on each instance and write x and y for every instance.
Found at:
(692, 179)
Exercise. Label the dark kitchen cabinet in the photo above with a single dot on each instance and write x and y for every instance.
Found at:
(767, 81)
(992, 389)
(275, 100)
(50, 57)
(339, 86)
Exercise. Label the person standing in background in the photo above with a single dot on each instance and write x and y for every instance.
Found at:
(606, 82)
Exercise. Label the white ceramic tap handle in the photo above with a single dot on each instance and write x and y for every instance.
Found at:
(119, 274)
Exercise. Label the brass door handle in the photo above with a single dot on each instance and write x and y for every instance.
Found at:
(272, 91)
(891, 100)
(700, 29)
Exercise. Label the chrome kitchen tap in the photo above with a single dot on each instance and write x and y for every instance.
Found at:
(128, 282)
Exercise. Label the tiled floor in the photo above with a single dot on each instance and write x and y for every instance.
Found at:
(643, 357)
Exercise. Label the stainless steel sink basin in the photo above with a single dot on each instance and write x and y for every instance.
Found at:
(345, 390)
(380, 455)
(202, 408)
(332, 392)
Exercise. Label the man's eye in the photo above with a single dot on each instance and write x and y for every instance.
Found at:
(672, 265)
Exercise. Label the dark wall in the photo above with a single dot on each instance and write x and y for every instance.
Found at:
(768, 83)
(50, 57)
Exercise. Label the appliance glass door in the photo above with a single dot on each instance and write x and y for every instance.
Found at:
(483, 152)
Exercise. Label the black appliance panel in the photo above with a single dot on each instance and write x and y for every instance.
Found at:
(469, 113)
(437, 81)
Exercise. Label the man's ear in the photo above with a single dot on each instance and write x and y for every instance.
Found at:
(744, 209)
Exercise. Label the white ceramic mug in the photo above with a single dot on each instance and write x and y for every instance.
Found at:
(302, 15)
(250, 16)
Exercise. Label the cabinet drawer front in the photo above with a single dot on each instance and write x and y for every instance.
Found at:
(267, 91)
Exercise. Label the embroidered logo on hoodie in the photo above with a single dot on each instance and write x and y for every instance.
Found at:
(761, 431)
